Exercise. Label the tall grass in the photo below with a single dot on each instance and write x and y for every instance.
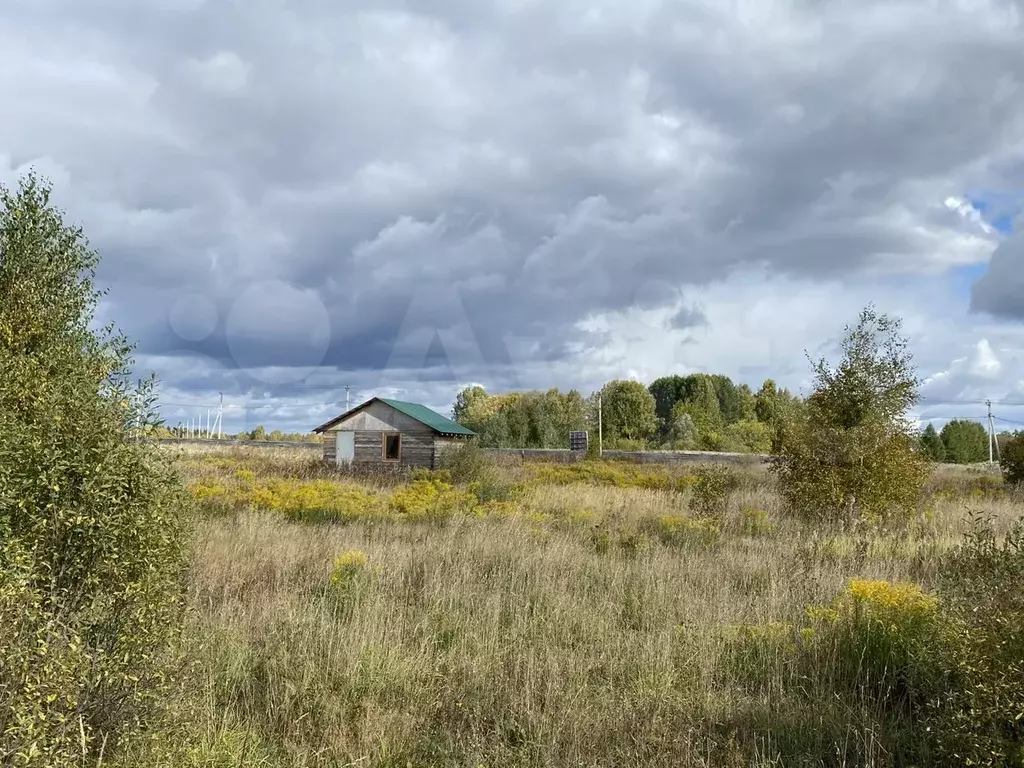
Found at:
(583, 625)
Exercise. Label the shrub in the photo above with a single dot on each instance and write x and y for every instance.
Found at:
(980, 720)
(465, 462)
(91, 517)
(711, 490)
(1011, 460)
(850, 453)
(880, 644)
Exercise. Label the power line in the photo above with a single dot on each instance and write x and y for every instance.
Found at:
(1008, 421)
(249, 406)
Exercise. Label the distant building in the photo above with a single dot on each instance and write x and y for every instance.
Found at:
(390, 432)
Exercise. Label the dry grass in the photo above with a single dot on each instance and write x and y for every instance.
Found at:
(569, 633)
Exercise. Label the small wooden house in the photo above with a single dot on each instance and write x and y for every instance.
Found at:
(390, 432)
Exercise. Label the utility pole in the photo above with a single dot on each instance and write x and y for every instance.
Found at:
(346, 397)
(991, 431)
(600, 428)
(220, 417)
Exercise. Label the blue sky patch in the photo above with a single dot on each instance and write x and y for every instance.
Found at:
(998, 208)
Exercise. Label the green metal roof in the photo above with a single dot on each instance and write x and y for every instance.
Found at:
(432, 419)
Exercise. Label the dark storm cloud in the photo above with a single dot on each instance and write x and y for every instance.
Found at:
(359, 186)
(1000, 291)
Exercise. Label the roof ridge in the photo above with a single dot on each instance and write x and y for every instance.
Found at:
(421, 413)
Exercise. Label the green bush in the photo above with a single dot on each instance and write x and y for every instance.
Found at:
(966, 441)
(468, 464)
(1011, 460)
(465, 462)
(91, 518)
(980, 720)
(712, 488)
(850, 453)
(882, 639)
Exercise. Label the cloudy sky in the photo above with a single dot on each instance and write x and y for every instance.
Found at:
(292, 196)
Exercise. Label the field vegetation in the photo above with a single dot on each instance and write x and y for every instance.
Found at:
(599, 614)
(850, 604)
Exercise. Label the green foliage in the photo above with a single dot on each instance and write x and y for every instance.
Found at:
(980, 720)
(91, 518)
(850, 452)
(703, 409)
(465, 462)
(467, 402)
(773, 407)
(349, 575)
(627, 411)
(532, 419)
(748, 436)
(883, 638)
(712, 401)
(696, 412)
(712, 488)
(966, 441)
(932, 444)
(1011, 460)
(682, 433)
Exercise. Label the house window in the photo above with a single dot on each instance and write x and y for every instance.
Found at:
(392, 447)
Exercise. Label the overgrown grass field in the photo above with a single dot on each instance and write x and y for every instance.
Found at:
(537, 614)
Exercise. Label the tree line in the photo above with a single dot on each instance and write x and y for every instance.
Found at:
(962, 441)
(699, 411)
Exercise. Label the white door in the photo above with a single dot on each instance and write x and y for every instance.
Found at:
(345, 447)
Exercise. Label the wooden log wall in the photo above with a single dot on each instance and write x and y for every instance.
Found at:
(417, 448)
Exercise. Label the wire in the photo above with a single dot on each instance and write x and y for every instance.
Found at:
(1008, 421)
(249, 406)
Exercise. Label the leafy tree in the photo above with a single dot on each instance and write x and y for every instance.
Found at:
(702, 407)
(467, 403)
(667, 391)
(91, 536)
(530, 419)
(748, 436)
(766, 403)
(747, 404)
(683, 432)
(627, 411)
(730, 398)
(966, 441)
(775, 407)
(259, 433)
(932, 444)
(1011, 460)
(850, 452)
